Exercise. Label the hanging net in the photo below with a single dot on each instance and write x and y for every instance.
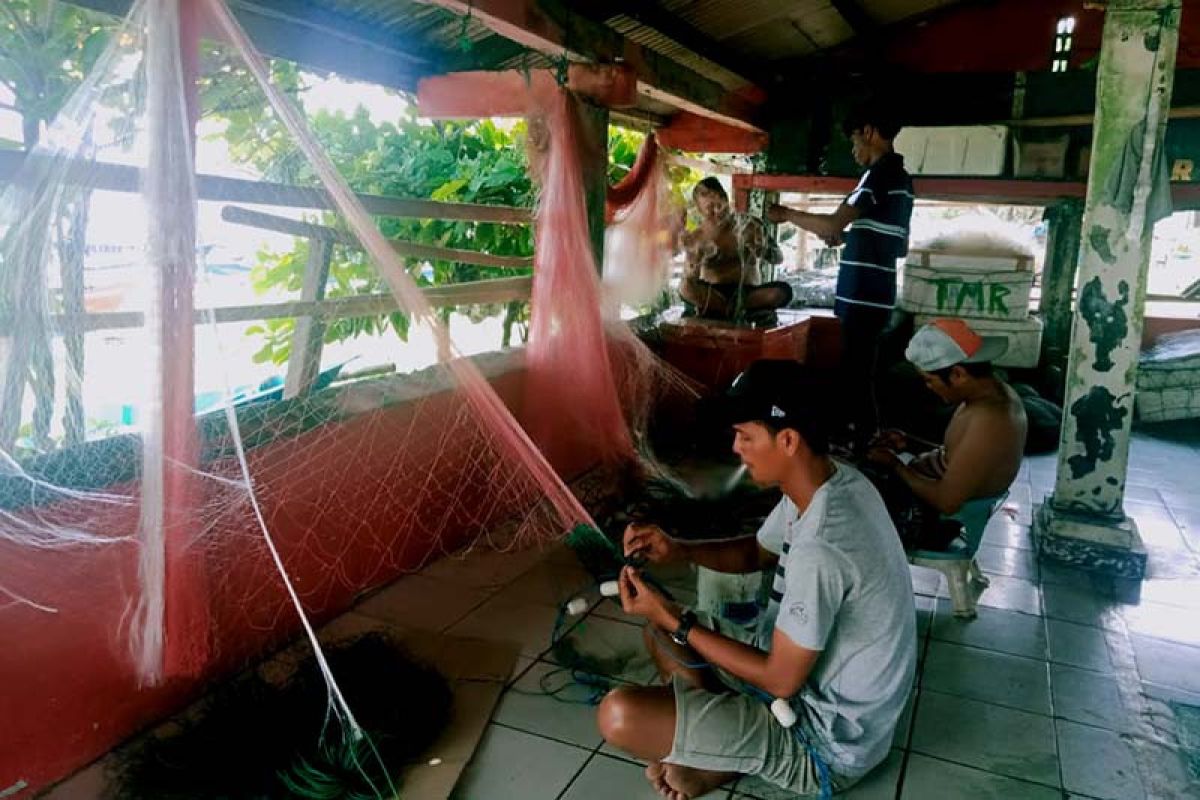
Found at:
(169, 508)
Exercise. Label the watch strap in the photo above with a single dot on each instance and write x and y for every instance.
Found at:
(687, 621)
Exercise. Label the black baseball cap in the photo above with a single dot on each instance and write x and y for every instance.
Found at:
(782, 394)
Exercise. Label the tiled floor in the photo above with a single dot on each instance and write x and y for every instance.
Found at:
(1065, 686)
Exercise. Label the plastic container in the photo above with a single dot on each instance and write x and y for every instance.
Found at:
(1024, 337)
(967, 293)
(953, 149)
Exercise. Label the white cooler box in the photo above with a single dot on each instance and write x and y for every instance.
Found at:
(1024, 337)
(1168, 378)
(968, 293)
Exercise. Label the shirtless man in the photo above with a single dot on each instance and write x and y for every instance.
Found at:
(986, 437)
(724, 257)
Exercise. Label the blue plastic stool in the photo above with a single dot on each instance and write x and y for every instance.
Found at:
(957, 562)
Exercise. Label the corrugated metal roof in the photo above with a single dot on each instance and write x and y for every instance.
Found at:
(891, 11)
(768, 30)
(757, 31)
(666, 46)
(724, 19)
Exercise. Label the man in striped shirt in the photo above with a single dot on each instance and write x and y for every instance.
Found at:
(872, 222)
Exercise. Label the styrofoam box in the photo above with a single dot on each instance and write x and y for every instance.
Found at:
(953, 150)
(967, 262)
(1024, 337)
(1162, 405)
(1002, 295)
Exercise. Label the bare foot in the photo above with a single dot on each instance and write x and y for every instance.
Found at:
(687, 783)
(656, 774)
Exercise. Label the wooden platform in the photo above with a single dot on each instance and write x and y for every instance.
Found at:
(715, 352)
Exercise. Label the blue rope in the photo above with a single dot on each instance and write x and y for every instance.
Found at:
(824, 780)
(595, 682)
(658, 635)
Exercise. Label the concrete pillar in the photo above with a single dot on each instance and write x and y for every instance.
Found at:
(1084, 522)
(1065, 225)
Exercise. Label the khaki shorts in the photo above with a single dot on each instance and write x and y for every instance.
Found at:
(736, 732)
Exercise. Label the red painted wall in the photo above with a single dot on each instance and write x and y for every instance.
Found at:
(1015, 35)
(347, 505)
(1157, 326)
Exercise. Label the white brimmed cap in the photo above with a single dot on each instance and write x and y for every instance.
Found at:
(946, 342)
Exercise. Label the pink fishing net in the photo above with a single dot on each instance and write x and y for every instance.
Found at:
(138, 563)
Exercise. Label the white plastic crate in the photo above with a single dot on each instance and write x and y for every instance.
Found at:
(1163, 405)
(953, 150)
(964, 261)
(998, 295)
(1024, 337)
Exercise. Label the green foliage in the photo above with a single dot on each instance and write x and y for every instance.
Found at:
(46, 49)
(468, 162)
(623, 146)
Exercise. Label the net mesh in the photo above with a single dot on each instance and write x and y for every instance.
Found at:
(169, 509)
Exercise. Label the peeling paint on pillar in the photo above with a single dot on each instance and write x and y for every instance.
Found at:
(1098, 239)
(1096, 417)
(1107, 324)
(1133, 97)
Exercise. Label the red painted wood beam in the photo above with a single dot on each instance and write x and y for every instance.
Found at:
(1185, 196)
(509, 93)
(971, 190)
(527, 23)
(980, 190)
(696, 134)
(186, 616)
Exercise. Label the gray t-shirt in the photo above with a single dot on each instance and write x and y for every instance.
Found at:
(843, 587)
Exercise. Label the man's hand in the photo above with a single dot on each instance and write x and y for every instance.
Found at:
(778, 214)
(884, 456)
(638, 598)
(891, 439)
(653, 544)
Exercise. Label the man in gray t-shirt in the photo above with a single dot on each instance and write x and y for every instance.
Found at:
(840, 561)
(837, 641)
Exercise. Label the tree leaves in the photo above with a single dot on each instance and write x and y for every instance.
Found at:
(46, 49)
(480, 161)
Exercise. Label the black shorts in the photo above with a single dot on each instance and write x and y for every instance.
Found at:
(729, 291)
(920, 525)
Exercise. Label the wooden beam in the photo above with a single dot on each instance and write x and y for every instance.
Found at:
(704, 165)
(638, 120)
(1080, 120)
(120, 178)
(698, 135)
(593, 154)
(550, 27)
(1012, 191)
(308, 336)
(855, 15)
(499, 290)
(512, 93)
(271, 222)
(978, 190)
(491, 52)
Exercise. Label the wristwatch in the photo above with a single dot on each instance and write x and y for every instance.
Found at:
(686, 620)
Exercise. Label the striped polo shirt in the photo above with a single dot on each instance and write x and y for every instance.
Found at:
(878, 238)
